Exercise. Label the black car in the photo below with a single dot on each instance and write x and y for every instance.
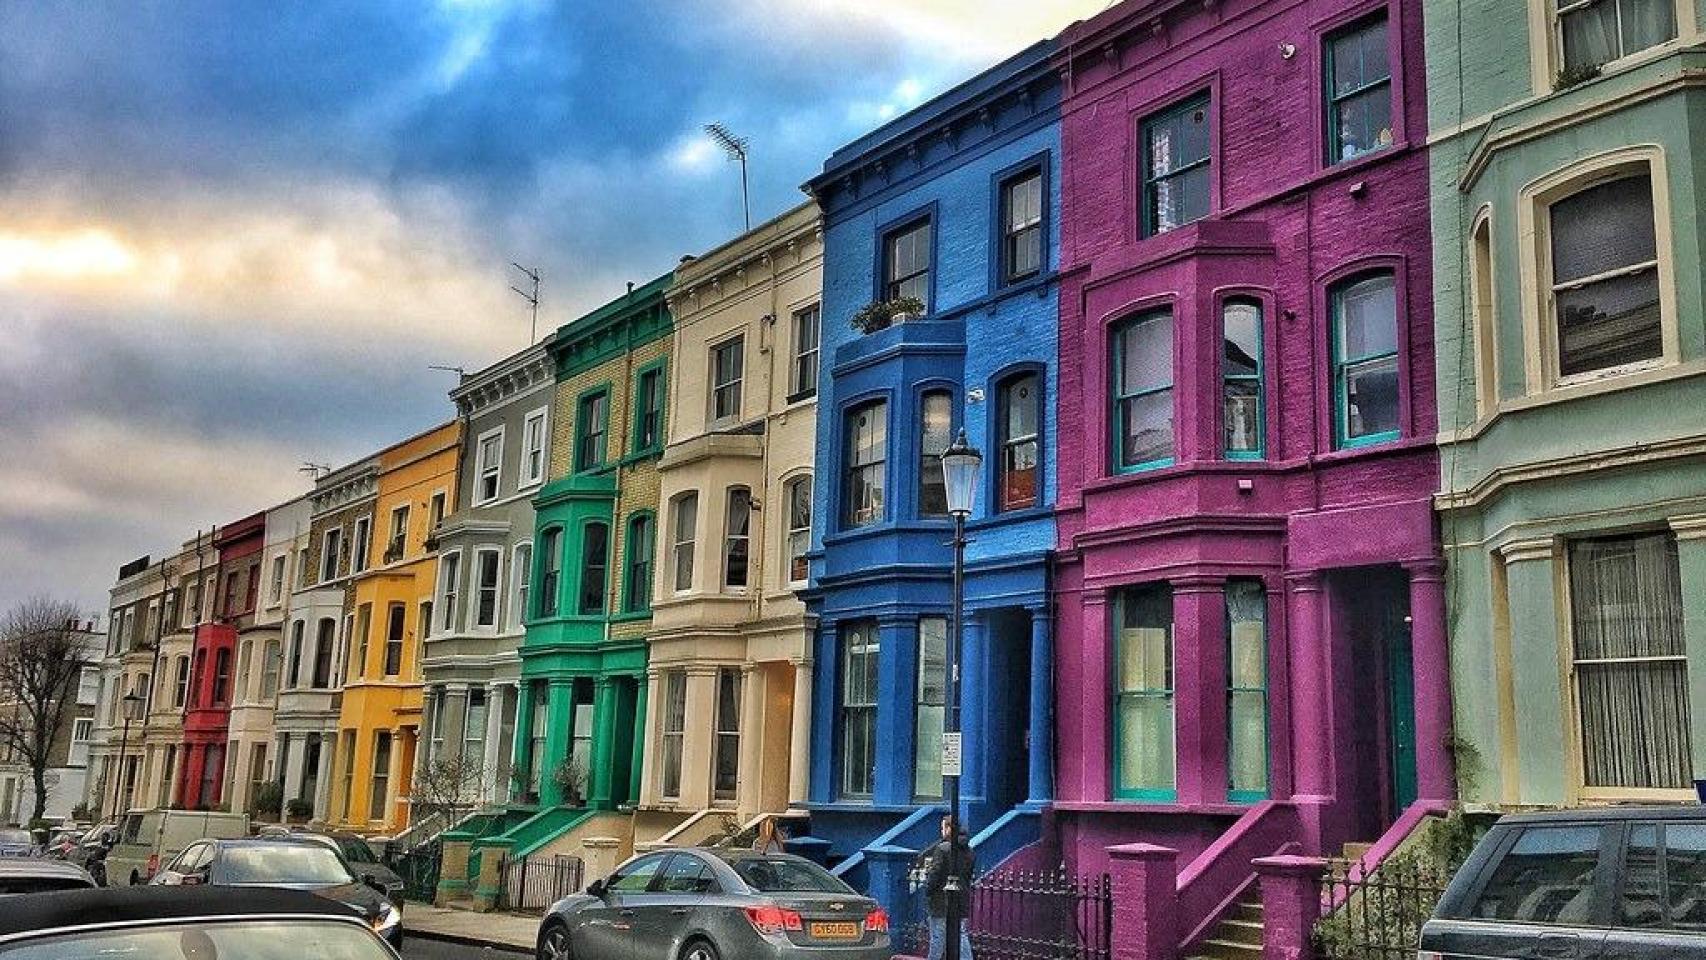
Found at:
(357, 852)
(284, 863)
(150, 923)
(1625, 883)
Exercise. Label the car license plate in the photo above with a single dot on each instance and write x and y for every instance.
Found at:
(835, 931)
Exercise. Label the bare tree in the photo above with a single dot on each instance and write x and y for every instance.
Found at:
(42, 655)
(445, 789)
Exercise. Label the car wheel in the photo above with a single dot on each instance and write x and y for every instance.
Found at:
(699, 950)
(554, 942)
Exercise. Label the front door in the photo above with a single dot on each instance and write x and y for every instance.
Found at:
(1401, 707)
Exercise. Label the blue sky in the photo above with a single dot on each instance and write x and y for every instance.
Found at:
(236, 234)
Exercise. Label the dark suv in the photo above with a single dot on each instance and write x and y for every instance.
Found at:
(1626, 883)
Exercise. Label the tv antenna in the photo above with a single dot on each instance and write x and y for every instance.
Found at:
(314, 470)
(531, 298)
(735, 147)
(461, 374)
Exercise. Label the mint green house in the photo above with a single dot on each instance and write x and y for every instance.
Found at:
(1568, 158)
(581, 706)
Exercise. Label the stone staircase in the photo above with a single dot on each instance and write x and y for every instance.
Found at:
(1239, 935)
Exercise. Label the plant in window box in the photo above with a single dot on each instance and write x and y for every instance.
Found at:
(882, 314)
(1575, 75)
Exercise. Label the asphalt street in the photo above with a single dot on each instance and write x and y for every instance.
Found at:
(420, 948)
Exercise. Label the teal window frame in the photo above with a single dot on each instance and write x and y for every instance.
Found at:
(1234, 689)
(637, 597)
(1117, 391)
(583, 439)
(603, 607)
(1121, 696)
(1331, 100)
(1342, 364)
(548, 603)
(1259, 378)
(659, 367)
(1201, 101)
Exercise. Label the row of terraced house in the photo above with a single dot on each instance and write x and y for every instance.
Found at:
(1339, 370)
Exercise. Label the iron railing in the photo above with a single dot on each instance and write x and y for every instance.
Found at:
(1377, 914)
(1032, 915)
(418, 867)
(532, 884)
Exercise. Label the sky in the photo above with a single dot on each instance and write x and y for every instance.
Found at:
(235, 236)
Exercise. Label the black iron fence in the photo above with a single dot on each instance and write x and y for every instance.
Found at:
(532, 884)
(1032, 915)
(1378, 914)
(418, 867)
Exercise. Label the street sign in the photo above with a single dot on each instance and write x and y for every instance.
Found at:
(950, 754)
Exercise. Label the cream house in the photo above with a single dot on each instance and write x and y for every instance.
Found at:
(729, 674)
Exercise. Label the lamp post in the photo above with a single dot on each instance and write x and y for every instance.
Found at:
(961, 466)
(132, 704)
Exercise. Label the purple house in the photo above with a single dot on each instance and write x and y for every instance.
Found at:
(1251, 650)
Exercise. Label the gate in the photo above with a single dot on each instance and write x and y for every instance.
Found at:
(418, 869)
(532, 884)
(1034, 915)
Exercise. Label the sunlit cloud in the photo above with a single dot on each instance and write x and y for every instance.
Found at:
(64, 256)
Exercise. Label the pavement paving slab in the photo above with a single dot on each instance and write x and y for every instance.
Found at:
(504, 931)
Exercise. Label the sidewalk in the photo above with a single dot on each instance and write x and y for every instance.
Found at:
(500, 931)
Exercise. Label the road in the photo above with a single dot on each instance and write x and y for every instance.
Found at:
(420, 948)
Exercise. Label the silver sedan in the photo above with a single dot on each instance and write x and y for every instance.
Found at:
(704, 904)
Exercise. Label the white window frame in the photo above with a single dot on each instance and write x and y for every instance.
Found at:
(676, 543)
(495, 468)
(474, 588)
(731, 539)
(1484, 312)
(88, 686)
(738, 383)
(520, 584)
(794, 353)
(275, 588)
(801, 481)
(82, 731)
(1539, 304)
(395, 538)
(448, 592)
(436, 505)
(1546, 46)
(531, 478)
(360, 544)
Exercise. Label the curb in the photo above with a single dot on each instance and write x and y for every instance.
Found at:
(463, 941)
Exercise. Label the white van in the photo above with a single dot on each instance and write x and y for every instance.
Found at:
(148, 838)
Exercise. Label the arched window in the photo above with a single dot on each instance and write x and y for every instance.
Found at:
(866, 450)
(935, 433)
(1019, 464)
(1241, 379)
(595, 564)
(1365, 360)
(798, 500)
(1605, 277)
(737, 539)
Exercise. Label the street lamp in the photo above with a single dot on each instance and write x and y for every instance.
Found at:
(132, 704)
(961, 467)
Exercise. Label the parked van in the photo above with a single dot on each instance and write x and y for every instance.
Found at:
(148, 838)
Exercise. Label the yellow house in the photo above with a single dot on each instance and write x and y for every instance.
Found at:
(390, 611)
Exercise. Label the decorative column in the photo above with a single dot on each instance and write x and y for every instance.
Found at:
(394, 784)
(323, 778)
(750, 775)
(1536, 681)
(522, 761)
(559, 714)
(490, 788)
(975, 747)
(1311, 671)
(800, 735)
(1691, 561)
(1430, 655)
(1199, 688)
(648, 740)
(697, 743)
(1291, 903)
(1145, 902)
(897, 670)
(1096, 757)
(294, 754)
(603, 743)
(642, 753)
(452, 716)
(1039, 741)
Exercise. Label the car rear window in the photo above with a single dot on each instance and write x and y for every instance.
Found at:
(235, 940)
(1547, 877)
(12, 886)
(291, 863)
(16, 837)
(767, 875)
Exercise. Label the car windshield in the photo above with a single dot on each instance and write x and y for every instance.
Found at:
(357, 851)
(776, 875)
(283, 863)
(11, 837)
(11, 886)
(229, 940)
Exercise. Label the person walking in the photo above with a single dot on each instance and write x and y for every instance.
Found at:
(950, 856)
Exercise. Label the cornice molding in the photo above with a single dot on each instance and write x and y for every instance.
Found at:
(1498, 480)
(750, 261)
(338, 491)
(506, 380)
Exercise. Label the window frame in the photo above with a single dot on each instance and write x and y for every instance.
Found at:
(790, 489)
(1116, 364)
(492, 469)
(1331, 144)
(798, 389)
(586, 568)
(525, 476)
(1037, 167)
(733, 542)
(1549, 58)
(397, 624)
(715, 387)
(1203, 97)
(275, 580)
(1260, 302)
(476, 589)
(449, 589)
(871, 647)
(920, 704)
(1170, 694)
(669, 767)
(521, 584)
(548, 602)
(892, 231)
(1338, 394)
(999, 385)
(929, 464)
(847, 519)
(585, 439)
(1265, 691)
(724, 738)
(658, 368)
(677, 569)
(398, 538)
(638, 564)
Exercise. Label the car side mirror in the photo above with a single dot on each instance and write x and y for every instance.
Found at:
(109, 840)
(374, 883)
(597, 889)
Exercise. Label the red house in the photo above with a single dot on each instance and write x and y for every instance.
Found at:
(207, 718)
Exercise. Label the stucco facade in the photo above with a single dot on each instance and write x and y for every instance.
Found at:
(379, 718)
(1251, 648)
(207, 752)
(729, 671)
(956, 205)
(1573, 411)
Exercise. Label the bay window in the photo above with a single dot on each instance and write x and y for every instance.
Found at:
(595, 561)
(1241, 379)
(737, 540)
(858, 721)
(550, 571)
(683, 524)
(1144, 762)
(1143, 391)
(486, 575)
(866, 451)
(935, 433)
(1605, 277)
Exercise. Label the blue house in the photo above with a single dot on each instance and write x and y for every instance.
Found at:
(954, 205)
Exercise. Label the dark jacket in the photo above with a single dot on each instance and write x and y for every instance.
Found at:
(938, 863)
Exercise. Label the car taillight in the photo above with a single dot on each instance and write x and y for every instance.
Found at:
(1427, 955)
(877, 921)
(773, 919)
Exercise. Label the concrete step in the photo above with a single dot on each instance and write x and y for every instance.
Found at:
(1227, 950)
(1240, 931)
(1247, 910)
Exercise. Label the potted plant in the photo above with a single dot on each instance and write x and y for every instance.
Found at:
(299, 810)
(268, 801)
(519, 789)
(570, 778)
(882, 314)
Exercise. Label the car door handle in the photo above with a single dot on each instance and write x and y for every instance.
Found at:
(1558, 946)
(628, 913)
(681, 911)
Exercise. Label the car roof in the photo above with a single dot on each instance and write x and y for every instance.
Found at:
(40, 868)
(46, 912)
(1608, 814)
